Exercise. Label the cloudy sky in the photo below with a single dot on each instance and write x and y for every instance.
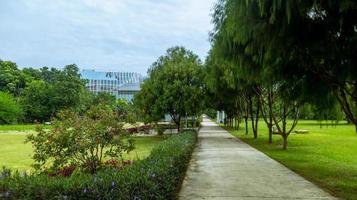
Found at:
(113, 35)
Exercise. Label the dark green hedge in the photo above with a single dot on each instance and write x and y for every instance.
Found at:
(156, 177)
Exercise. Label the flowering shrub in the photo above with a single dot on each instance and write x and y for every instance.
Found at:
(156, 177)
(80, 140)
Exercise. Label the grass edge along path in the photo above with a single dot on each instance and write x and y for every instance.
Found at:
(326, 156)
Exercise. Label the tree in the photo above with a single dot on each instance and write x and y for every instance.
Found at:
(66, 89)
(12, 80)
(104, 98)
(312, 40)
(10, 110)
(35, 101)
(174, 87)
(259, 56)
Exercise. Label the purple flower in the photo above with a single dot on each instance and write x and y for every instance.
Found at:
(113, 184)
(85, 190)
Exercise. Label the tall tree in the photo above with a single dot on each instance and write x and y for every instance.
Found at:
(174, 87)
(312, 40)
(243, 36)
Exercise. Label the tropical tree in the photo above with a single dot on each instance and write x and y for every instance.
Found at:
(313, 41)
(174, 86)
(265, 64)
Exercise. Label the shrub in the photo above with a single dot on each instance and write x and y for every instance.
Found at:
(156, 177)
(81, 141)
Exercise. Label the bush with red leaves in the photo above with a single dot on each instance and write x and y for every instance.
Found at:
(118, 164)
(65, 171)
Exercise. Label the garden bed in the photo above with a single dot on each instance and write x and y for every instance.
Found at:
(156, 177)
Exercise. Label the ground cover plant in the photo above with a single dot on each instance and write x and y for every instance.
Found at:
(327, 155)
(155, 177)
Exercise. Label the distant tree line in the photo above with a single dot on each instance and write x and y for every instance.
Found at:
(35, 95)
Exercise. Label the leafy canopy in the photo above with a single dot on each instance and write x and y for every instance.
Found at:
(174, 87)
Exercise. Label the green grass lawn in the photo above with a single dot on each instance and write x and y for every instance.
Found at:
(15, 154)
(18, 127)
(326, 156)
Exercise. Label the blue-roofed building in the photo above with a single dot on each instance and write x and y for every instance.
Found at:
(123, 85)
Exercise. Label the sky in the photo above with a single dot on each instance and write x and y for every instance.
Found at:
(105, 35)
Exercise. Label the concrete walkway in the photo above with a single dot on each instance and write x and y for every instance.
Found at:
(225, 168)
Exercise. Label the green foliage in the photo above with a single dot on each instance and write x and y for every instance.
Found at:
(156, 177)
(212, 113)
(44, 92)
(308, 44)
(54, 91)
(10, 110)
(84, 141)
(104, 98)
(36, 101)
(174, 87)
(12, 80)
(123, 109)
(66, 89)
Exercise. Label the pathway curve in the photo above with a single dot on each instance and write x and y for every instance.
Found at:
(223, 167)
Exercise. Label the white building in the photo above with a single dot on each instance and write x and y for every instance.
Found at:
(123, 85)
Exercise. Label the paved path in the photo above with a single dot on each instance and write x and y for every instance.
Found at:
(225, 168)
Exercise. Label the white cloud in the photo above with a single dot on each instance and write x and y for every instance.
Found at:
(101, 33)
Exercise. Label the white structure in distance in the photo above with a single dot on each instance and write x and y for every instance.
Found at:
(123, 85)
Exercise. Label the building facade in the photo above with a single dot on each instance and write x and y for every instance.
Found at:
(123, 85)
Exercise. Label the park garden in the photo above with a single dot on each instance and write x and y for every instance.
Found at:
(79, 145)
(283, 72)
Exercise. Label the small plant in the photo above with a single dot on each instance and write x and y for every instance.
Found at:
(160, 129)
(81, 141)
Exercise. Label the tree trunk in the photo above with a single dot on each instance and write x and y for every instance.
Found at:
(246, 124)
(178, 124)
(270, 127)
(255, 118)
(256, 121)
(285, 142)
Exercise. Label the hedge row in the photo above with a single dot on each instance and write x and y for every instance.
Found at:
(156, 177)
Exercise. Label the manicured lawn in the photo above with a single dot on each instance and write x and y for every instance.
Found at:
(18, 127)
(15, 154)
(326, 156)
